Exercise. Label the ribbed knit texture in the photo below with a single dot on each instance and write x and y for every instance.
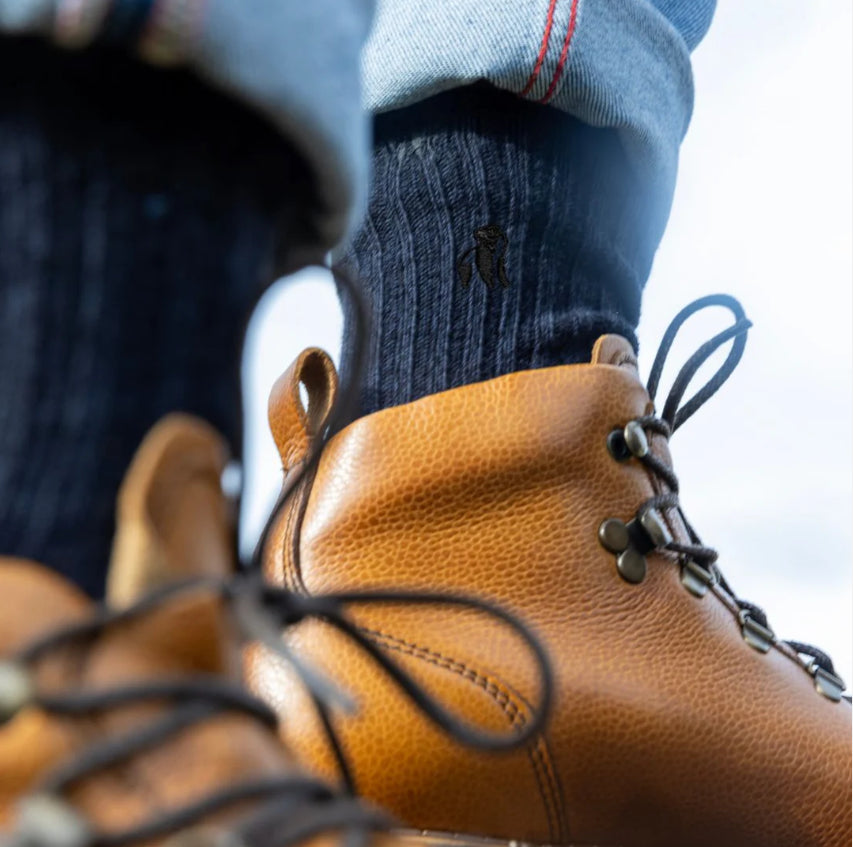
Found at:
(580, 243)
(138, 214)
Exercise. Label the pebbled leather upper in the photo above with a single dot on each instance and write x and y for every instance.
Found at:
(668, 728)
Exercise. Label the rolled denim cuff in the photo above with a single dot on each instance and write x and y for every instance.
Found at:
(296, 63)
(620, 64)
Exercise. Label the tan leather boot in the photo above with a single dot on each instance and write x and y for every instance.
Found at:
(680, 719)
(129, 723)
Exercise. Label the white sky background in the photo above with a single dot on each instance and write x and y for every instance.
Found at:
(763, 210)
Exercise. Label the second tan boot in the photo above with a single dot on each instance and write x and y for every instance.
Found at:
(128, 723)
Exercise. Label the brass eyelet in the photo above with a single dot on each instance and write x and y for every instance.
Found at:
(632, 566)
(617, 447)
(653, 523)
(696, 579)
(629, 441)
(758, 637)
(636, 439)
(826, 683)
(615, 537)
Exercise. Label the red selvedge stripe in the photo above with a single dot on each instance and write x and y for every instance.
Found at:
(561, 66)
(543, 50)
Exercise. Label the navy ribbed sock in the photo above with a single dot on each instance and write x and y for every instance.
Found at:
(501, 235)
(139, 217)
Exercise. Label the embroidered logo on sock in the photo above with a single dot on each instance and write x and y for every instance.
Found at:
(489, 258)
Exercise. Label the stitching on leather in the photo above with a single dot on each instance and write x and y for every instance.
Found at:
(625, 359)
(503, 699)
(555, 789)
(297, 513)
(287, 551)
(538, 755)
(540, 769)
(493, 689)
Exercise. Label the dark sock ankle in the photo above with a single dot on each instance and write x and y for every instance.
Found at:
(579, 244)
(139, 214)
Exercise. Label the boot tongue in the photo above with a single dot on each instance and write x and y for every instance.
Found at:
(173, 521)
(614, 350)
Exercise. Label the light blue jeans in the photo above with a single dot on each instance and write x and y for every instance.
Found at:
(317, 68)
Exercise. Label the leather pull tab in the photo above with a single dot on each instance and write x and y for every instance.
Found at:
(294, 427)
(614, 350)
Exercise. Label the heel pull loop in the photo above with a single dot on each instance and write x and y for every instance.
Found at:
(295, 426)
